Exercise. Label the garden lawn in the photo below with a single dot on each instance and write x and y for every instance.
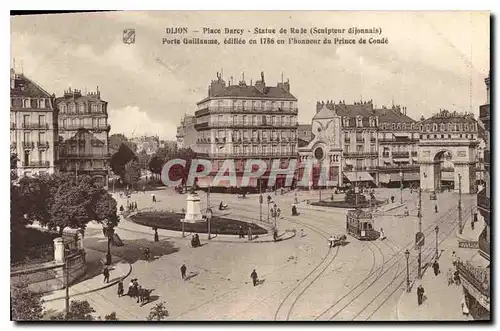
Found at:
(172, 221)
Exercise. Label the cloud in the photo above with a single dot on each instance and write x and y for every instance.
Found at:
(131, 121)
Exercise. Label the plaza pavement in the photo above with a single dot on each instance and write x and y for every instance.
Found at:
(302, 277)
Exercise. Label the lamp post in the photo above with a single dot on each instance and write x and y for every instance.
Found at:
(420, 231)
(436, 229)
(109, 233)
(460, 226)
(209, 218)
(260, 199)
(401, 183)
(407, 255)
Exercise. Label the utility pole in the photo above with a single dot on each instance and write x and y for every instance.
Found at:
(420, 231)
(66, 276)
(401, 183)
(260, 199)
(460, 227)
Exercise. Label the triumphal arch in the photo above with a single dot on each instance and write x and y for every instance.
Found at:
(453, 138)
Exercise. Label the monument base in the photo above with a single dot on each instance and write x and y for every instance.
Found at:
(194, 220)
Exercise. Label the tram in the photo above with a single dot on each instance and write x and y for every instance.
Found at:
(360, 225)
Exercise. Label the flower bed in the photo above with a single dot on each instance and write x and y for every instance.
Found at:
(172, 221)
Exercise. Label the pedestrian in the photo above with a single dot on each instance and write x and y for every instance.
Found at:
(105, 273)
(472, 225)
(279, 212)
(241, 232)
(156, 238)
(249, 233)
(449, 276)
(135, 205)
(147, 254)
(254, 277)
(121, 209)
(454, 258)
(435, 266)
(436, 208)
(301, 233)
(183, 271)
(130, 292)
(275, 235)
(475, 217)
(420, 294)
(139, 291)
(120, 288)
(154, 197)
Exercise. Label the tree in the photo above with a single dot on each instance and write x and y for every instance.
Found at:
(111, 317)
(119, 159)
(13, 166)
(158, 312)
(117, 139)
(132, 172)
(78, 311)
(105, 212)
(25, 304)
(156, 164)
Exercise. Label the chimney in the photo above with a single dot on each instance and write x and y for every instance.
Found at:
(216, 86)
(261, 84)
(286, 85)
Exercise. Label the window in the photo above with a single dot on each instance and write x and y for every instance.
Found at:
(403, 126)
(71, 108)
(42, 103)
(291, 105)
(26, 103)
(442, 127)
(27, 136)
(26, 120)
(359, 121)
(399, 126)
(393, 126)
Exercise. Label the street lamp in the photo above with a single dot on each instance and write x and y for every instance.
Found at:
(401, 184)
(407, 255)
(109, 233)
(460, 226)
(437, 231)
(275, 214)
(209, 218)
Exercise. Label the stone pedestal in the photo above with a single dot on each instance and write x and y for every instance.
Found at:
(59, 250)
(193, 213)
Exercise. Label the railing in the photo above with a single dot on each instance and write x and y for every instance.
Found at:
(36, 164)
(477, 276)
(85, 126)
(400, 154)
(86, 155)
(226, 124)
(230, 109)
(373, 140)
(405, 166)
(359, 154)
(28, 145)
(360, 140)
(399, 141)
(42, 145)
(251, 154)
(44, 126)
(414, 154)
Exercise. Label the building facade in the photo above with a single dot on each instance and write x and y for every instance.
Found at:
(33, 126)
(448, 137)
(187, 136)
(148, 144)
(476, 274)
(323, 150)
(241, 122)
(83, 135)
(397, 141)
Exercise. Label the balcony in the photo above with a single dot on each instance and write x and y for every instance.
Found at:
(398, 141)
(360, 154)
(36, 164)
(39, 126)
(260, 155)
(373, 140)
(42, 145)
(96, 128)
(201, 126)
(241, 109)
(414, 167)
(400, 155)
(85, 155)
(28, 145)
(360, 140)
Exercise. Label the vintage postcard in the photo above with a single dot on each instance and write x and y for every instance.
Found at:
(250, 166)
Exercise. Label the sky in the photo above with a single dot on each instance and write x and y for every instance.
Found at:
(433, 60)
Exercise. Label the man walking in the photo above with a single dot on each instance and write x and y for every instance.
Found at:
(183, 271)
(105, 273)
(254, 277)
(420, 294)
(435, 266)
(154, 197)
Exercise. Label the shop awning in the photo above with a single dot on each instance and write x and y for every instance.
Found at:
(384, 178)
(360, 176)
(406, 177)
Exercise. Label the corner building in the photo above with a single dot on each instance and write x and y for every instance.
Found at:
(33, 126)
(83, 133)
(241, 122)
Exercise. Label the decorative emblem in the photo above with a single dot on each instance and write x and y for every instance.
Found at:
(129, 36)
(461, 153)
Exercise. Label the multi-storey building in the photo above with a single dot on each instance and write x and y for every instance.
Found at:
(186, 133)
(83, 133)
(448, 144)
(397, 138)
(475, 274)
(304, 134)
(32, 126)
(241, 122)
